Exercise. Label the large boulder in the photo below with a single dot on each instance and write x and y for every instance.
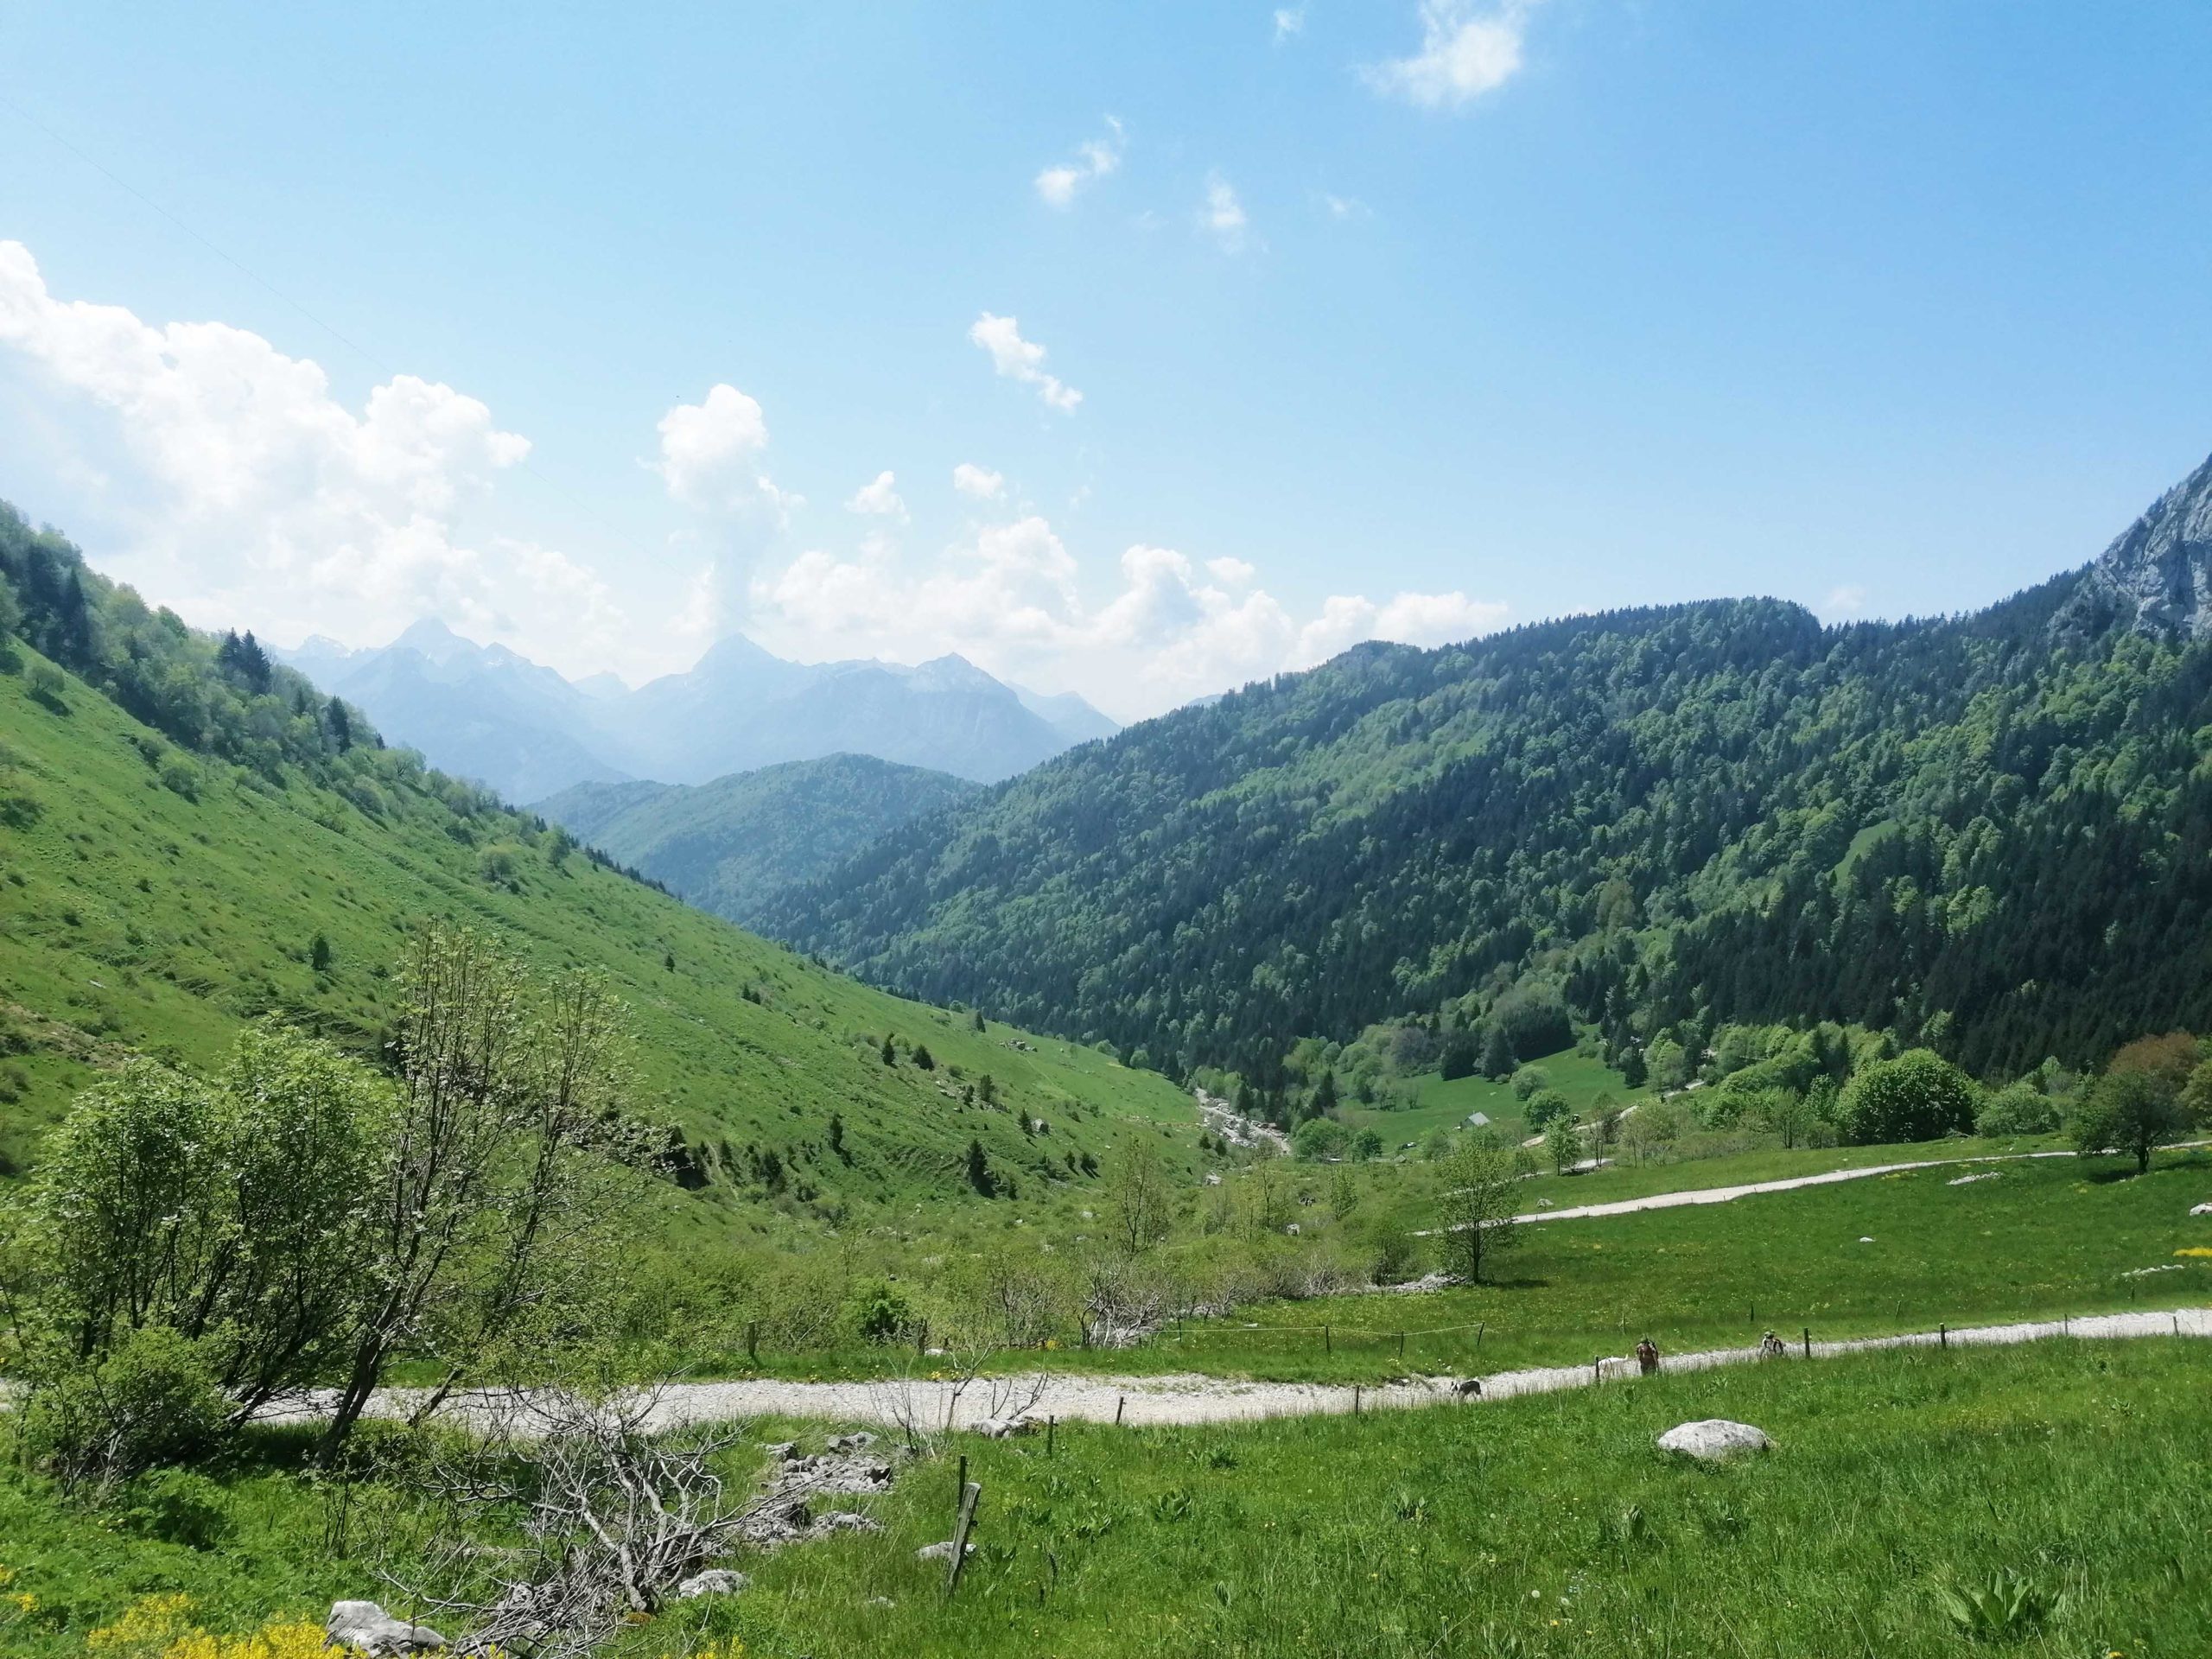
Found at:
(1713, 1438)
(363, 1626)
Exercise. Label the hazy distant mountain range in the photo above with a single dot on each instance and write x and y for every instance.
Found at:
(484, 712)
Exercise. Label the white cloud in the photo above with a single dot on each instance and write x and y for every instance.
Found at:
(1426, 619)
(1017, 359)
(1058, 186)
(234, 487)
(1843, 604)
(1011, 596)
(1222, 216)
(879, 498)
(710, 451)
(1289, 21)
(1465, 52)
(1345, 207)
(978, 483)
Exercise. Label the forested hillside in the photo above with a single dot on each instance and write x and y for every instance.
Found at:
(1992, 834)
(191, 838)
(732, 845)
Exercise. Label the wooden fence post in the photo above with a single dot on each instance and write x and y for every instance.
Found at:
(1943, 1336)
(1808, 1342)
(753, 1342)
(960, 1487)
(1401, 1344)
(1052, 1425)
(1327, 1347)
(1355, 1399)
(970, 1496)
(1120, 1400)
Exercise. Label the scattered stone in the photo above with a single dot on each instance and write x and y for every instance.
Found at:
(1713, 1438)
(941, 1552)
(999, 1428)
(714, 1581)
(782, 1450)
(1968, 1180)
(364, 1625)
(847, 1521)
(859, 1441)
(1864, 1240)
(879, 1601)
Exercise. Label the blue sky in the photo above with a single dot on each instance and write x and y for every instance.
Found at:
(1388, 318)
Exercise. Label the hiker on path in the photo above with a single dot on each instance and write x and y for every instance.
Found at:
(1647, 1356)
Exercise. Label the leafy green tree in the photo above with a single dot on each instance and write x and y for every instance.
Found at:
(1529, 1081)
(2018, 1109)
(232, 1212)
(1563, 1143)
(319, 952)
(978, 1168)
(1918, 1096)
(1546, 1107)
(2132, 1111)
(1497, 1052)
(1366, 1144)
(1480, 1194)
(1318, 1139)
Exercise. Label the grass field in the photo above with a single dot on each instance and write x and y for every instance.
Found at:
(1549, 1526)
(2044, 1238)
(135, 916)
(1441, 1105)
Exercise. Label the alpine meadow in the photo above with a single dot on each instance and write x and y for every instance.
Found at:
(1275, 833)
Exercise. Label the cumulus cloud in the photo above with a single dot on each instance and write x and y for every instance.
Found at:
(710, 454)
(879, 498)
(1222, 215)
(1058, 186)
(1013, 597)
(235, 487)
(978, 483)
(1017, 359)
(1290, 21)
(1843, 604)
(1466, 51)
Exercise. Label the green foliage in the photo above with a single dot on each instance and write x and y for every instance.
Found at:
(2007, 1606)
(2130, 1112)
(732, 845)
(1529, 1081)
(879, 1312)
(1916, 1096)
(1319, 1138)
(150, 1398)
(2018, 1109)
(1545, 1107)
(1990, 838)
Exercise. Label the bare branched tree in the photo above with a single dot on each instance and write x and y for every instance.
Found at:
(615, 1516)
(501, 1188)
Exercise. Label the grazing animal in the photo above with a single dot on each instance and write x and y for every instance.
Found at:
(1468, 1388)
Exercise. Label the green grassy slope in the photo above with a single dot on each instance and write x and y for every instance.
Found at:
(731, 845)
(134, 915)
(1543, 1527)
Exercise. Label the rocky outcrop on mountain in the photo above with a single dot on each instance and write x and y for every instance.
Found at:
(2157, 577)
